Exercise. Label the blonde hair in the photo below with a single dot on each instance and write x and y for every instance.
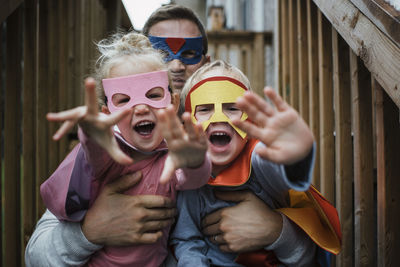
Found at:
(221, 68)
(134, 48)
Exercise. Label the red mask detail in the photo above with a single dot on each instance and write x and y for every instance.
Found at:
(175, 44)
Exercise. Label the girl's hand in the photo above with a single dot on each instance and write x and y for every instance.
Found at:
(286, 136)
(187, 144)
(96, 125)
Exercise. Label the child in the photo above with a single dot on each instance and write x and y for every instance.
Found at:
(277, 145)
(136, 96)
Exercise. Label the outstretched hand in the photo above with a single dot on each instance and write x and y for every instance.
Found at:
(95, 124)
(187, 144)
(286, 136)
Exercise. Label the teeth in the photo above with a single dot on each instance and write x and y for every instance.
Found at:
(144, 123)
(219, 133)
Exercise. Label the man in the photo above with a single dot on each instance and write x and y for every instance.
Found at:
(118, 219)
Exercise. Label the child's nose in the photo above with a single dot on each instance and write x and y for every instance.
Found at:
(140, 109)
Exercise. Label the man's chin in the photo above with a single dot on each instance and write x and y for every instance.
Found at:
(178, 85)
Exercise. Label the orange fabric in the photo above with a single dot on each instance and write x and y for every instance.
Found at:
(317, 217)
(239, 171)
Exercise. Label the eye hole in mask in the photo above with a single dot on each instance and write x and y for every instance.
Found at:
(205, 112)
(154, 94)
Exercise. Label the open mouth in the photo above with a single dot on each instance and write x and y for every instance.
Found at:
(144, 127)
(220, 138)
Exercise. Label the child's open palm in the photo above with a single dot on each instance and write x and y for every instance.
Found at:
(95, 124)
(187, 144)
(286, 136)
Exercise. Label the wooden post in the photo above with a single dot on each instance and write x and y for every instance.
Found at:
(363, 163)
(302, 45)
(12, 142)
(29, 217)
(293, 57)
(343, 146)
(285, 49)
(313, 79)
(326, 108)
(388, 146)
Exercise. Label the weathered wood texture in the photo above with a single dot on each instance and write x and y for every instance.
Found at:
(246, 50)
(349, 48)
(47, 52)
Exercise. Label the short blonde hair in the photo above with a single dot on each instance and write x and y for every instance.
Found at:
(221, 68)
(133, 47)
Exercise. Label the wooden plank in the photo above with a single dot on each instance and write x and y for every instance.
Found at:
(343, 146)
(363, 163)
(28, 121)
(380, 55)
(313, 78)
(388, 145)
(2, 81)
(53, 55)
(277, 47)
(327, 142)
(293, 57)
(383, 15)
(303, 60)
(7, 8)
(42, 131)
(12, 142)
(258, 72)
(285, 50)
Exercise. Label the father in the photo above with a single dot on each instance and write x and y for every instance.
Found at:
(118, 219)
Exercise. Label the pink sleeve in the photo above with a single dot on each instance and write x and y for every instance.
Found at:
(188, 178)
(95, 155)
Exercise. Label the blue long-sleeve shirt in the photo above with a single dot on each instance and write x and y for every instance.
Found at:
(269, 181)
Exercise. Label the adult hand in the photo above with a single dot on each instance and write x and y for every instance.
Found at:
(250, 225)
(116, 219)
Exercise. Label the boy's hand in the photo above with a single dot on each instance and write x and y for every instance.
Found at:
(187, 145)
(96, 125)
(286, 136)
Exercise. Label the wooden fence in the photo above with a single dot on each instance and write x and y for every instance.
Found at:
(339, 65)
(46, 49)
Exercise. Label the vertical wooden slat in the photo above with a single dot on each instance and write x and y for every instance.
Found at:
(388, 146)
(12, 142)
(28, 120)
(2, 83)
(63, 81)
(326, 108)
(293, 57)
(344, 146)
(258, 73)
(313, 78)
(285, 50)
(277, 47)
(42, 134)
(303, 60)
(53, 82)
(363, 165)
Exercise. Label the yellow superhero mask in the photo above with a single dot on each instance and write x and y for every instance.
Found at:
(215, 90)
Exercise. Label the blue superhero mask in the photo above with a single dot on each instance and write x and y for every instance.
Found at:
(187, 50)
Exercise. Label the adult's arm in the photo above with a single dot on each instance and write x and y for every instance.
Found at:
(56, 243)
(251, 225)
(114, 219)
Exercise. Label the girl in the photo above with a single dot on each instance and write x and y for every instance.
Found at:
(136, 98)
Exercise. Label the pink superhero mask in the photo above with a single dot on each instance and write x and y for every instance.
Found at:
(136, 87)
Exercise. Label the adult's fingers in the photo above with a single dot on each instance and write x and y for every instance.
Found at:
(155, 201)
(150, 238)
(211, 219)
(124, 183)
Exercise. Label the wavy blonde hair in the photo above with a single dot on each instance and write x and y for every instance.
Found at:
(118, 48)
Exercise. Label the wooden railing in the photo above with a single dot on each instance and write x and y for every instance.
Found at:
(45, 50)
(339, 65)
